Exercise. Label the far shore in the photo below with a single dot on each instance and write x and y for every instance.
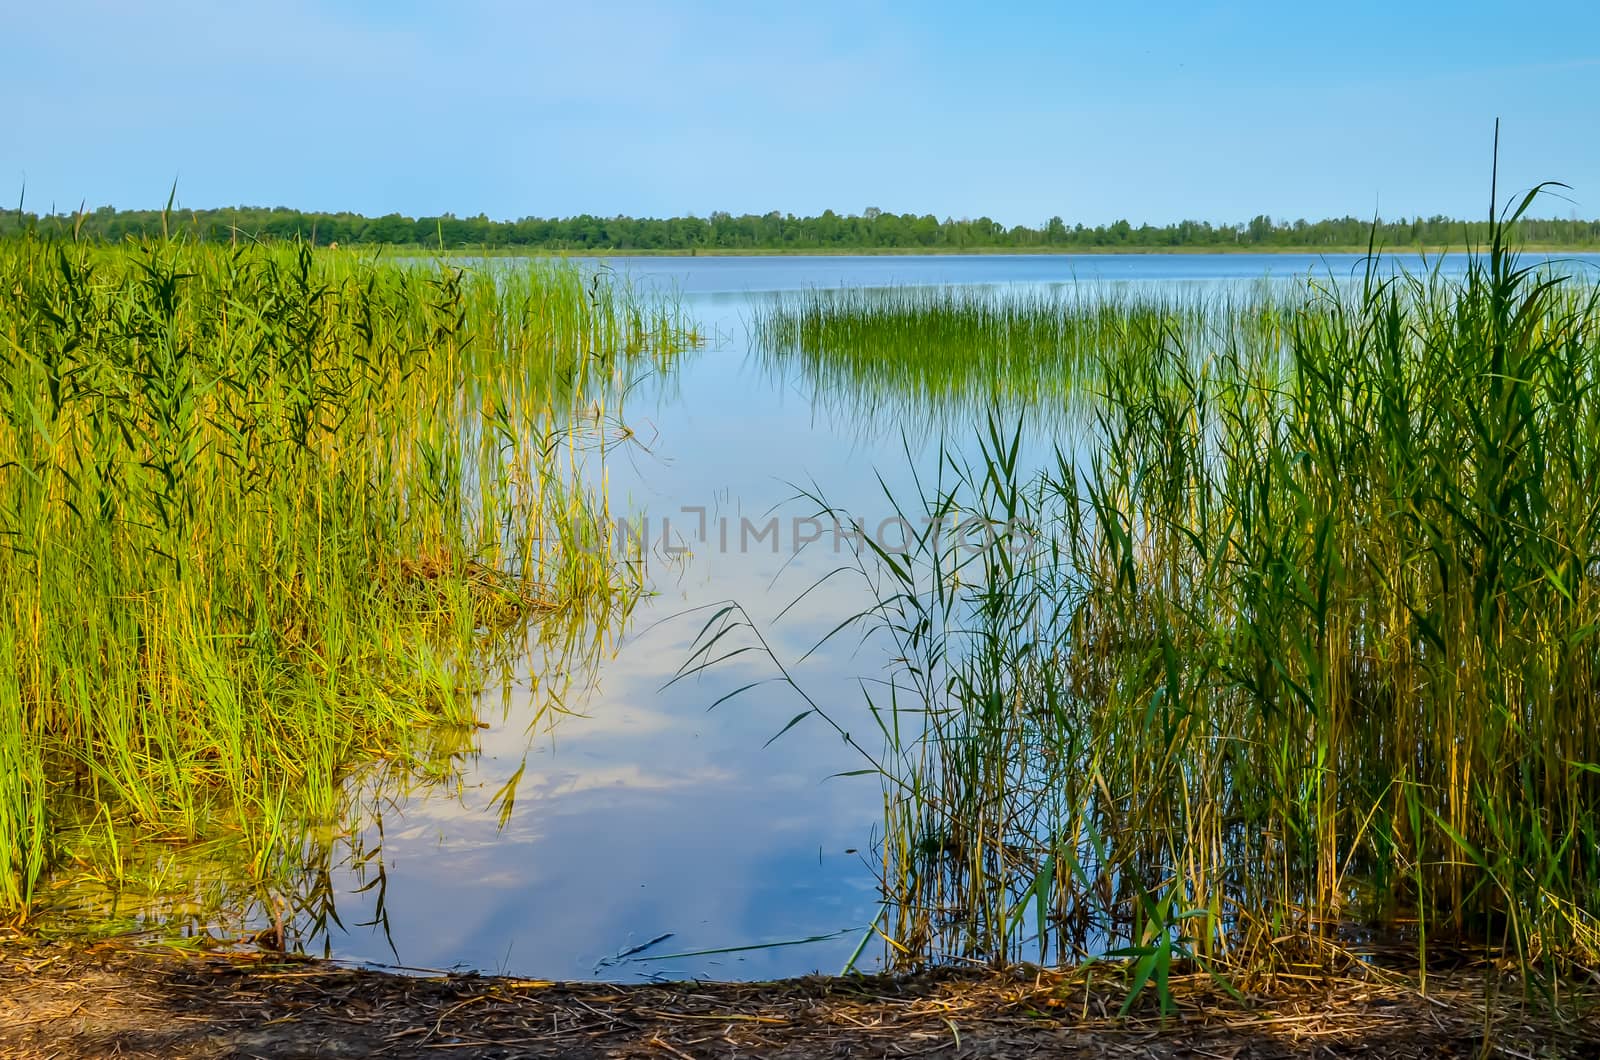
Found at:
(873, 252)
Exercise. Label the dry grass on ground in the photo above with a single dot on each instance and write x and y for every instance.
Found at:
(60, 1001)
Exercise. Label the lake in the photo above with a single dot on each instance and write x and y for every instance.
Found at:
(644, 816)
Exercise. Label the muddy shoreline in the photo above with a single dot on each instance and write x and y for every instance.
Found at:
(140, 1001)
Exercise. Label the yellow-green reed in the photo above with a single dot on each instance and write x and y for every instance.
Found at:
(266, 512)
(215, 888)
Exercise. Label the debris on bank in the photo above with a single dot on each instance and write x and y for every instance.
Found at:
(141, 1001)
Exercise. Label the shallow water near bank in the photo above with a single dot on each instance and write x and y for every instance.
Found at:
(642, 818)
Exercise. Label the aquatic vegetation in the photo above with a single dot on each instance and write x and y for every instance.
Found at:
(268, 514)
(1294, 653)
(954, 352)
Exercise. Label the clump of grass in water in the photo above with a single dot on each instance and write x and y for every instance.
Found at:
(1305, 652)
(265, 512)
(952, 352)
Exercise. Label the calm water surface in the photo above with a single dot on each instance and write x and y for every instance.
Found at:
(642, 813)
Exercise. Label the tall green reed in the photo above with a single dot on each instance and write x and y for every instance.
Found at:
(1295, 648)
(265, 512)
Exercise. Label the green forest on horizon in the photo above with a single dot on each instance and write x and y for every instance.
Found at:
(722, 232)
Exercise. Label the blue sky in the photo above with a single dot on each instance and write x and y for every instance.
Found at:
(1093, 111)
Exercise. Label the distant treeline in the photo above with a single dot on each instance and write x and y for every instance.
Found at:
(870, 230)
